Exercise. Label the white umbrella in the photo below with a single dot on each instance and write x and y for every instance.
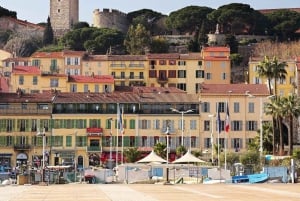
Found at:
(152, 158)
(188, 157)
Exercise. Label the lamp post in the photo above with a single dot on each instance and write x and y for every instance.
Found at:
(211, 116)
(260, 120)
(167, 133)
(43, 134)
(110, 144)
(181, 112)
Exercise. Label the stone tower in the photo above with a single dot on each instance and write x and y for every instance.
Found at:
(63, 14)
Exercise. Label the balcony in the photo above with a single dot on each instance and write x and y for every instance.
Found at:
(22, 147)
(93, 149)
(162, 80)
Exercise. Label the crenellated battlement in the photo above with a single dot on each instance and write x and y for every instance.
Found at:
(110, 18)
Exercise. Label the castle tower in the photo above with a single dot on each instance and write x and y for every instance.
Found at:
(63, 14)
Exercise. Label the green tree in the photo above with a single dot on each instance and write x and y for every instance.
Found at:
(275, 108)
(132, 154)
(180, 150)
(48, 37)
(284, 24)
(267, 139)
(80, 25)
(231, 41)
(96, 40)
(238, 18)
(159, 46)
(137, 40)
(187, 19)
(291, 110)
(160, 149)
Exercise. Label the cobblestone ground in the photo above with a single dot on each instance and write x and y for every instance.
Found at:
(151, 192)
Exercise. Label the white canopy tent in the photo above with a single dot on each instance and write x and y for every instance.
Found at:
(152, 158)
(188, 157)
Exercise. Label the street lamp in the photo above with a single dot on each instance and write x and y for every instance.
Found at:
(211, 116)
(167, 133)
(181, 112)
(43, 134)
(260, 120)
(110, 143)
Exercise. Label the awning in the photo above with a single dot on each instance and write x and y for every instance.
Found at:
(22, 156)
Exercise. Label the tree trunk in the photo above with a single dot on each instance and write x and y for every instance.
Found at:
(281, 145)
(291, 135)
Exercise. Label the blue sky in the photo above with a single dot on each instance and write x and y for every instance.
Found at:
(36, 11)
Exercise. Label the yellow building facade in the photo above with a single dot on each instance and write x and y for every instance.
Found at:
(285, 86)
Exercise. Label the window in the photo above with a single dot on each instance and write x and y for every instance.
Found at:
(207, 64)
(221, 107)
(181, 63)
(236, 107)
(162, 62)
(208, 76)
(144, 141)
(205, 107)
(131, 75)
(57, 141)
(251, 125)
(34, 80)
(131, 124)
(251, 107)
(172, 73)
(156, 124)
(86, 88)
(144, 124)
(141, 75)
(21, 80)
(172, 62)
(193, 124)
(181, 74)
(53, 82)
(200, 73)
(97, 88)
(36, 62)
(236, 125)
(200, 63)
(152, 73)
(73, 88)
(123, 75)
(206, 125)
(181, 86)
(223, 64)
(223, 76)
(193, 141)
(236, 144)
(207, 143)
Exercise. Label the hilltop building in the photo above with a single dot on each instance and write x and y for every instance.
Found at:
(63, 14)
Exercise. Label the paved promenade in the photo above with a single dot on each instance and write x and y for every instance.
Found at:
(151, 192)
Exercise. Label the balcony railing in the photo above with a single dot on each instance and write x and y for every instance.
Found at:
(94, 149)
(22, 147)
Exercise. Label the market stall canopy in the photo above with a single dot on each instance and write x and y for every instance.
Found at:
(152, 158)
(188, 157)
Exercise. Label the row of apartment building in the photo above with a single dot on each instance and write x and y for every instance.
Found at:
(73, 96)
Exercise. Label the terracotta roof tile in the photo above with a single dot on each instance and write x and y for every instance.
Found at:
(216, 49)
(216, 58)
(25, 98)
(127, 57)
(91, 79)
(29, 70)
(236, 89)
(125, 97)
(164, 56)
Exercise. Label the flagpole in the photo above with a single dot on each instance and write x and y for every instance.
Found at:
(117, 140)
(122, 133)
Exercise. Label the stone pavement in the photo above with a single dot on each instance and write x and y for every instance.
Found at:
(151, 192)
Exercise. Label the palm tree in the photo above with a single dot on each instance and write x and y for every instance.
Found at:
(160, 149)
(132, 154)
(272, 69)
(275, 109)
(291, 109)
